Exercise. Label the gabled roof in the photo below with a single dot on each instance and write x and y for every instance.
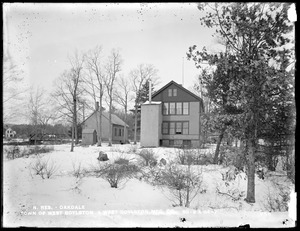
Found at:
(180, 87)
(114, 118)
(177, 85)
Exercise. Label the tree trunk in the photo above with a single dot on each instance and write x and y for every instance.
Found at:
(110, 125)
(100, 124)
(219, 144)
(135, 124)
(75, 123)
(72, 141)
(124, 133)
(250, 149)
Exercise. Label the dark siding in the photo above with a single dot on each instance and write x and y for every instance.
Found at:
(182, 96)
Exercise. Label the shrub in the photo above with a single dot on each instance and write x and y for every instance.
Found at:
(277, 202)
(121, 160)
(230, 186)
(133, 148)
(193, 157)
(43, 168)
(12, 152)
(115, 173)
(78, 172)
(41, 149)
(15, 151)
(183, 184)
(148, 157)
(290, 167)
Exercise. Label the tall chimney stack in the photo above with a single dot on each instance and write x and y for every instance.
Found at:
(97, 106)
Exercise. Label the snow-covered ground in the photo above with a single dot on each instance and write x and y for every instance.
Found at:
(29, 200)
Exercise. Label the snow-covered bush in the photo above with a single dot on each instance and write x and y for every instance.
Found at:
(148, 157)
(40, 149)
(43, 168)
(230, 185)
(132, 149)
(79, 173)
(77, 170)
(193, 157)
(291, 169)
(182, 183)
(121, 160)
(277, 200)
(12, 152)
(115, 173)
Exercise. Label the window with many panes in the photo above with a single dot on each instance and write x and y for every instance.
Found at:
(178, 108)
(165, 128)
(166, 108)
(185, 128)
(185, 108)
(175, 92)
(172, 128)
(178, 127)
(172, 109)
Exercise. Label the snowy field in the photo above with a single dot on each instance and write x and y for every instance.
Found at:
(62, 201)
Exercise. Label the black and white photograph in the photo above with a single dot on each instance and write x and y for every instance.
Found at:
(159, 115)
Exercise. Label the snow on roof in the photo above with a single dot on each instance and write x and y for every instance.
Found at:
(114, 118)
(152, 102)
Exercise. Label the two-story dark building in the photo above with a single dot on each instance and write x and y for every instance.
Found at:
(172, 118)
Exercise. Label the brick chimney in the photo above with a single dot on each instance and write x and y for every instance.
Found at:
(97, 106)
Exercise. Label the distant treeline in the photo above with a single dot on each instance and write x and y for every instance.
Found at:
(25, 130)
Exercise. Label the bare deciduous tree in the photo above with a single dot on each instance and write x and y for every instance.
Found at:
(12, 89)
(123, 97)
(68, 91)
(95, 83)
(139, 76)
(112, 67)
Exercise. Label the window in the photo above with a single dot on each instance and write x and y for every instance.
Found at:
(171, 142)
(178, 127)
(120, 132)
(178, 143)
(179, 108)
(116, 131)
(172, 109)
(172, 128)
(166, 108)
(165, 128)
(174, 92)
(185, 108)
(185, 128)
(187, 143)
(165, 142)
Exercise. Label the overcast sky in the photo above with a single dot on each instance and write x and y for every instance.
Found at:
(40, 36)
